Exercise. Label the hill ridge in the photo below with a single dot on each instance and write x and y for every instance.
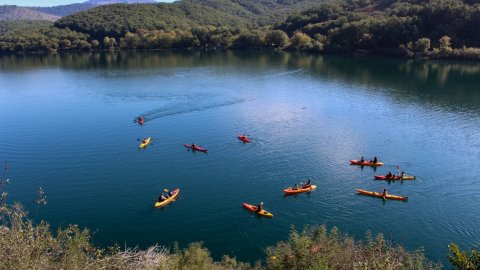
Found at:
(12, 13)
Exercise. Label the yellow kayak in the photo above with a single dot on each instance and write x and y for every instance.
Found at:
(380, 195)
(144, 144)
(168, 200)
(253, 209)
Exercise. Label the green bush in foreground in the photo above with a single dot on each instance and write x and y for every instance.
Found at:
(316, 248)
(25, 245)
(461, 260)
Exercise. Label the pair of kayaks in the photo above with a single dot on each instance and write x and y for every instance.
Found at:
(291, 191)
(195, 148)
(288, 191)
(381, 195)
(169, 199)
(365, 163)
(253, 209)
(145, 143)
(394, 177)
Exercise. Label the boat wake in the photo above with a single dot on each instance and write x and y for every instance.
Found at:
(186, 107)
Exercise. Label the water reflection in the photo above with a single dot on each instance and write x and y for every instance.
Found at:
(452, 84)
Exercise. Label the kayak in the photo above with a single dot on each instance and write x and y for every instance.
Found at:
(195, 148)
(290, 190)
(253, 208)
(395, 177)
(140, 121)
(243, 138)
(144, 144)
(168, 200)
(365, 163)
(380, 195)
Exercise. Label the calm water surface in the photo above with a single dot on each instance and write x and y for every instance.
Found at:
(67, 126)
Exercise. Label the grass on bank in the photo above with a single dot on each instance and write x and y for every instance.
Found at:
(25, 245)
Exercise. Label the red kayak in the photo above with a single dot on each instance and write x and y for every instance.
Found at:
(243, 138)
(195, 148)
(365, 163)
(140, 121)
(394, 177)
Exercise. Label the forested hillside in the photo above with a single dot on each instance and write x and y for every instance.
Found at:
(409, 28)
(387, 24)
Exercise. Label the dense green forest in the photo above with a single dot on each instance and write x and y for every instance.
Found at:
(408, 28)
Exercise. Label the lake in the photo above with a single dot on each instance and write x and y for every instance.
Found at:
(67, 126)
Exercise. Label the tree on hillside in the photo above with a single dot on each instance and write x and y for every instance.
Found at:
(276, 39)
(445, 44)
(249, 39)
(300, 41)
(422, 45)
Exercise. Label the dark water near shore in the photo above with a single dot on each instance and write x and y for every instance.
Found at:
(67, 126)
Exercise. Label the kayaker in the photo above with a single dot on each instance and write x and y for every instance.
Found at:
(144, 140)
(162, 198)
(384, 192)
(308, 184)
(295, 187)
(169, 193)
(401, 175)
(375, 160)
(362, 159)
(193, 146)
(140, 119)
(389, 175)
(260, 207)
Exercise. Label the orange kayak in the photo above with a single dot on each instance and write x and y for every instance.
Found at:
(290, 190)
(380, 195)
(365, 163)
